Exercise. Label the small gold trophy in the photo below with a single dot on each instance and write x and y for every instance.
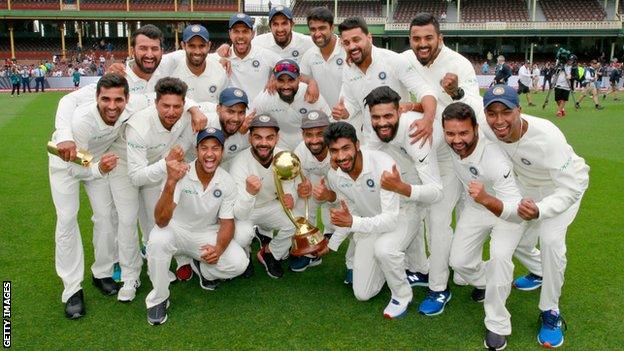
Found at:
(83, 157)
(307, 239)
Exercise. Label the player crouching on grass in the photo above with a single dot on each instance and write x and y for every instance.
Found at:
(194, 216)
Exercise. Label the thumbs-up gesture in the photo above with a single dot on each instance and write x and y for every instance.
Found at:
(304, 189)
(340, 111)
(341, 217)
(176, 153)
(321, 193)
(391, 181)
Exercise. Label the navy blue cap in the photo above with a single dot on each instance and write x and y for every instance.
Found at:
(211, 133)
(241, 18)
(286, 66)
(233, 96)
(194, 30)
(502, 93)
(280, 9)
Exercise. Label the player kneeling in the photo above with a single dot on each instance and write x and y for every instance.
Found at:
(194, 216)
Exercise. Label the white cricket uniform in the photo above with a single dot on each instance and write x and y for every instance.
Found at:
(439, 219)
(252, 72)
(288, 116)
(233, 145)
(549, 172)
(89, 132)
(299, 44)
(263, 209)
(489, 165)
(387, 69)
(419, 167)
(195, 223)
(524, 76)
(204, 87)
(380, 233)
(326, 73)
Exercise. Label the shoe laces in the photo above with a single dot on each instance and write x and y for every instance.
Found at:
(433, 295)
(553, 321)
(534, 276)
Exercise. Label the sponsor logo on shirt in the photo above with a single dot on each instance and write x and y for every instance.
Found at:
(190, 191)
(473, 170)
(566, 164)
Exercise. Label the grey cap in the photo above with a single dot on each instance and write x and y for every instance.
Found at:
(313, 119)
(263, 121)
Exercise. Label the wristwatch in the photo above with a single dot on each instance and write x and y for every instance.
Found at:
(459, 95)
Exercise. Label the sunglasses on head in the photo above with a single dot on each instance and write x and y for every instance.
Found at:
(286, 67)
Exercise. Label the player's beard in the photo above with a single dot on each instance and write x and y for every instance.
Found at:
(147, 70)
(229, 128)
(324, 41)
(316, 148)
(462, 149)
(283, 42)
(388, 138)
(287, 98)
(264, 160)
(195, 61)
(351, 164)
(433, 53)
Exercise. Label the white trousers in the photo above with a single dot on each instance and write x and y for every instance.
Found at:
(166, 242)
(495, 275)
(550, 260)
(300, 211)
(69, 253)
(272, 217)
(380, 258)
(416, 254)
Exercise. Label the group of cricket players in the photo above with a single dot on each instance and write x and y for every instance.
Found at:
(183, 144)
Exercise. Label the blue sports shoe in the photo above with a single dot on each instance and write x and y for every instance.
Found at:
(349, 277)
(434, 302)
(417, 278)
(551, 334)
(117, 272)
(528, 282)
(300, 264)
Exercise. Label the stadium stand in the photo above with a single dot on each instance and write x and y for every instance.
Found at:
(215, 5)
(3, 5)
(494, 11)
(34, 5)
(152, 5)
(407, 9)
(359, 8)
(301, 8)
(565, 10)
(111, 5)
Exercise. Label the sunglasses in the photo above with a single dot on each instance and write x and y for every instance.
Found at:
(289, 67)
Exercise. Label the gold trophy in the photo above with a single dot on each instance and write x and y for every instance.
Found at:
(83, 157)
(307, 239)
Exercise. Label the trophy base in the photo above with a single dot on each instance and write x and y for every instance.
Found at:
(308, 240)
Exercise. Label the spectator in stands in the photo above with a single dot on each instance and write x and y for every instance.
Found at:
(102, 60)
(547, 72)
(485, 68)
(503, 71)
(525, 81)
(15, 81)
(443, 16)
(3, 73)
(25, 73)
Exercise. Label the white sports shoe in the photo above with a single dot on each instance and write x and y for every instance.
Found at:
(395, 309)
(128, 291)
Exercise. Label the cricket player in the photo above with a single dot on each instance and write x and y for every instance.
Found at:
(371, 214)
(257, 198)
(282, 40)
(552, 180)
(288, 106)
(94, 128)
(490, 210)
(194, 216)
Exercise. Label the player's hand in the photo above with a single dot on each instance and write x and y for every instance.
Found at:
(391, 181)
(304, 189)
(324, 251)
(341, 217)
(527, 209)
(176, 169)
(227, 65)
(271, 86)
(289, 201)
(199, 120)
(67, 150)
(117, 68)
(246, 122)
(421, 129)
(476, 190)
(176, 153)
(410, 106)
(253, 185)
(450, 84)
(107, 162)
(321, 193)
(312, 92)
(340, 111)
(211, 253)
(223, 50)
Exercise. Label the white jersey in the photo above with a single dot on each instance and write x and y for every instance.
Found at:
(205, 87)
(198, 209)
(489, 165)
(288, 116)
(312, 168)
(234, 144)
(252, 72)
(149, 142)
(547, 168)
(418, 166)
(387, 69)
(299, 44)
(374, 209)
(524, 76)
(327, 74)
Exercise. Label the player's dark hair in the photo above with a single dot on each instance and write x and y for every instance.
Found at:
(423, 19)
(339, 130)
(352, 23)
(112, 80)
(382, 95)
(150, 31)
(321, 13)
(459, 111)
(170, 86)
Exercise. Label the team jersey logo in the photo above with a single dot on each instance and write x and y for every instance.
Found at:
(232, 147)
(382, 75)
(255, 63)
(212, 88)
(339, 61)
(370, 183)
(303, 111)
(217, 193)
(474, 171)
(525, 161)
(295, 53)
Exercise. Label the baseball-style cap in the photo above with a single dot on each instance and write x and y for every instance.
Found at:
(280, 9)
(286, 66)
(211, 133)
(263, 121)
(233, 96)
(195, 30)
(502, 93)
(241, 18)
(313, 119)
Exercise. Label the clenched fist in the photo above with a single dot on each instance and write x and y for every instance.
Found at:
(253, 185)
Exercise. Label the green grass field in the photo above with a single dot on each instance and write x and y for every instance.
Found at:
(313, 310)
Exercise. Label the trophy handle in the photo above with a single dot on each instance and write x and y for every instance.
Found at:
(280, 196)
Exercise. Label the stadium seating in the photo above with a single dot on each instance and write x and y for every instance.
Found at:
(215, 5)
(345, 8)
(301, 8)
(152, 5)
(112, 5)
(566, 10)
(494, 11)
(34, 5)
(407, 9)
